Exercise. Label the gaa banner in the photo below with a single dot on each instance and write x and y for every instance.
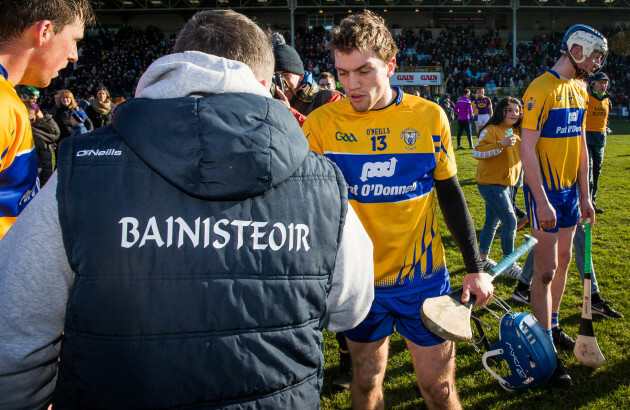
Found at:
(424, 78)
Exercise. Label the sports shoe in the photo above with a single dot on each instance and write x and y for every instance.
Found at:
(521, 296)
(597, 209)
(460, 147)
(522, 222)
(560, 338)
(603, 309)
(343, 380)
(560, 378)
(514, 271)
(488, 264)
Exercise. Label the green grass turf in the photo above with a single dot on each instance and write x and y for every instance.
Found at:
(605, 388)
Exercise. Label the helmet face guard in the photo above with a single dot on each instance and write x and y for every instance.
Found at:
(527, 350)
(591, 41)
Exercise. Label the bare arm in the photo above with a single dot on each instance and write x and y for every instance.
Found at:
(582, 179)
(544, 211)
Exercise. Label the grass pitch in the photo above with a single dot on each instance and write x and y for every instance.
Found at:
(605, 388)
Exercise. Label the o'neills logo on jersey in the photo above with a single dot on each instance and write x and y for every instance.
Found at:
(97, 153)
(255, 235)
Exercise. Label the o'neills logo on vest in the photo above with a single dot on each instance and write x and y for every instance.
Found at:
(97, 153)
(256, 235)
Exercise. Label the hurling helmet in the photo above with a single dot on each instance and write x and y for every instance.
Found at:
(589, 39)
(28, 91)
(527, 350)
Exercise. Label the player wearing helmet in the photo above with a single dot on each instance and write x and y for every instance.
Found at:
(555, 161)
(586, 49)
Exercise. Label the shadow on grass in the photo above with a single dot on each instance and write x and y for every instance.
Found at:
(467, 182)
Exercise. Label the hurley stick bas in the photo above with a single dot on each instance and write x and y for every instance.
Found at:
(586, 348)
(448, 317)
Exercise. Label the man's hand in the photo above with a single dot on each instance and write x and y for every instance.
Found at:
(480, 285)
(586, 206)
(546, 215)
(281, 97)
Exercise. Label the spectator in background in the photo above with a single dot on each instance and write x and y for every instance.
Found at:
(596, 130)
(302, 94)
(77, 120)
(29, 96)
(482, 109)
(62, 113)
(46, 136)
(115, 102)
(37, 39)
(327, 81)
(498, 170)
(464, 111)
(99, 110)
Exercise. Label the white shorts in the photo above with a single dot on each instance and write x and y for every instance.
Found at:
(482, 119)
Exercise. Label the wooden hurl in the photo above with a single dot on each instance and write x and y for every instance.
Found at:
(448, 317)
(586, 348)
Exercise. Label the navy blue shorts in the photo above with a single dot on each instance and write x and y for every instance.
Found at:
(565, 204)
(401, 312)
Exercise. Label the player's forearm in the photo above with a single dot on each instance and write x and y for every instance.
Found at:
(582, 177)
(459, 222)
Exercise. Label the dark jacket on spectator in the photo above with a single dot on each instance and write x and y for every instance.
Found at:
(62, 118)
(46, 136)
(99, 119)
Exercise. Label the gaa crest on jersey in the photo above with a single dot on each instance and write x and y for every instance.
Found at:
(410, 136)
(531, 103)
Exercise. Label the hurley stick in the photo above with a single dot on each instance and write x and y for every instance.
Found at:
(586, 348)
(448, 317)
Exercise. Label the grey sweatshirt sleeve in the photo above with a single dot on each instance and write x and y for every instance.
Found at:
(352, 289)
(35, 279)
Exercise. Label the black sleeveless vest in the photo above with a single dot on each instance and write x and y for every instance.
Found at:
(180, 301)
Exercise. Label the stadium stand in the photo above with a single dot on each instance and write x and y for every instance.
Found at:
(467, 57)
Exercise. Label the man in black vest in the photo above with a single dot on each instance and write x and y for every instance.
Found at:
(189, 254)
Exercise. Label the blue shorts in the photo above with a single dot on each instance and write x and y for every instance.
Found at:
(564, 202)
(403, 312)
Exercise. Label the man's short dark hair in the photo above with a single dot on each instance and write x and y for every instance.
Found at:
(16, 16)
(228, 34)
(325, 74)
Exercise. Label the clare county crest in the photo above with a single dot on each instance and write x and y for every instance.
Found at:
(531, 103)
(410, 136)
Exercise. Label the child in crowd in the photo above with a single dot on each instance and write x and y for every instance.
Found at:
(497, 172)
(77, 118)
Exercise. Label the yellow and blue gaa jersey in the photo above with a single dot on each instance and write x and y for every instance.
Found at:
(390, 158)
(19, 180)
(557, 108)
